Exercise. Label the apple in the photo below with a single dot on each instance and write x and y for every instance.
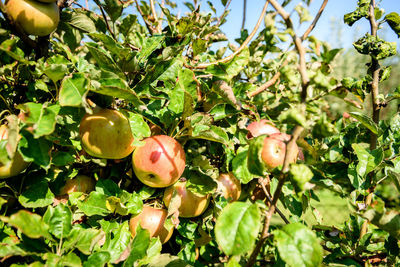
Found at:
(274, 150)
(35, 18)
(48, 1)
(81, 183)
(16, 165)
(160, 162)
(229, 186)
(153, 220)
(106, 134)
(257, 128)
(191, 204)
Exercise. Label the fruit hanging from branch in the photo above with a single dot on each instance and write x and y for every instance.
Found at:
(274, 150)
(16, 165)
(160, 162)
(34, 17)
(81, 183)
(257, 128)
(191, 204)
(153, 220)
(229, 186)
(106, 134)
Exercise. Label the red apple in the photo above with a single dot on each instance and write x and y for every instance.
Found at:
(35, 18)
(106, 134)
(192, 205)
(160, 162)
(81, 183)
(229, 186)
(153, 220)
(274, 150)
(16, 165)
(257, 128)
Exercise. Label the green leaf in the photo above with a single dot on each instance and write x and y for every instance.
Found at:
(298, 246)
(293, 115)
(73, 90)
(226, 71)
(393, 19)
(150, 45)
(360, 12)
(375, 46)
(113, 8)
(199, 183)
(78, 20)
(237, 227)
(140, 129)
(82, 239)
(167, 260)
(139, 246)
(367, 160)
(99, 258)
(37, 195)
(255, 163)
(300, 174)
(117, 241)
(36, 150)
(42, 117)
(366, 121)
(94, 204)
(103, 59)
(388, 221)
(56, 67)
(61, 221)
(240, 166)
(30, 224)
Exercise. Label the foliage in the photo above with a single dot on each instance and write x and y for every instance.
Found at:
(161, 72)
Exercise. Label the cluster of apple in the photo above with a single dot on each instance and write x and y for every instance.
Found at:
(35, 17)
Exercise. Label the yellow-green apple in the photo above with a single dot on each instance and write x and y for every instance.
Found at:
(35, 18)
(153, 220)
(257, 128)
(106, 134)
(229, 186)
(191, 204)
(16, 165)
(160, 162)
(274, 150)
(80, 183)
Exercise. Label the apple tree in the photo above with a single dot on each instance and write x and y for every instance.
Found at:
(128, 139)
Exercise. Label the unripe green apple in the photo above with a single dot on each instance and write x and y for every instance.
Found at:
(153, 220)
(16, 165)
(106, 134)
(192, 205)
(160, 162)
(34, 17)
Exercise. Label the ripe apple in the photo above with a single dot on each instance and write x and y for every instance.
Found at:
(106, 134)
(81, 183)
(274, 150)
(160, 162)
(34, 17)
(257, 128)
(229, 186)
(153, 220)
(16, 165)
(192, 205)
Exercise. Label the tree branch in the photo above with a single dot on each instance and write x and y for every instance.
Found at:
(321, 9)
(154, 12)
(269, 199)
(148, 25)
(375, 69)
(106, 20)
(223, 13)
(244, 14)
(244, 44)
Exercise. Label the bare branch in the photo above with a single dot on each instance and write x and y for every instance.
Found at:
(148, 25)
(244, 44)
(154, 12)
(106, 20)
(321, 9)
(265, 86)
(244, 14)
(223, 13)
(269, 199)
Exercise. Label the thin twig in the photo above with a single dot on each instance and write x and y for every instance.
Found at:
(375, 69)
(153, 10)
(148, 25)
(161, 17)
(311, 27)
(223, 13)
(106, 20)
(269, 199)
(244, 44)
(265, 86)
(244, 14)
